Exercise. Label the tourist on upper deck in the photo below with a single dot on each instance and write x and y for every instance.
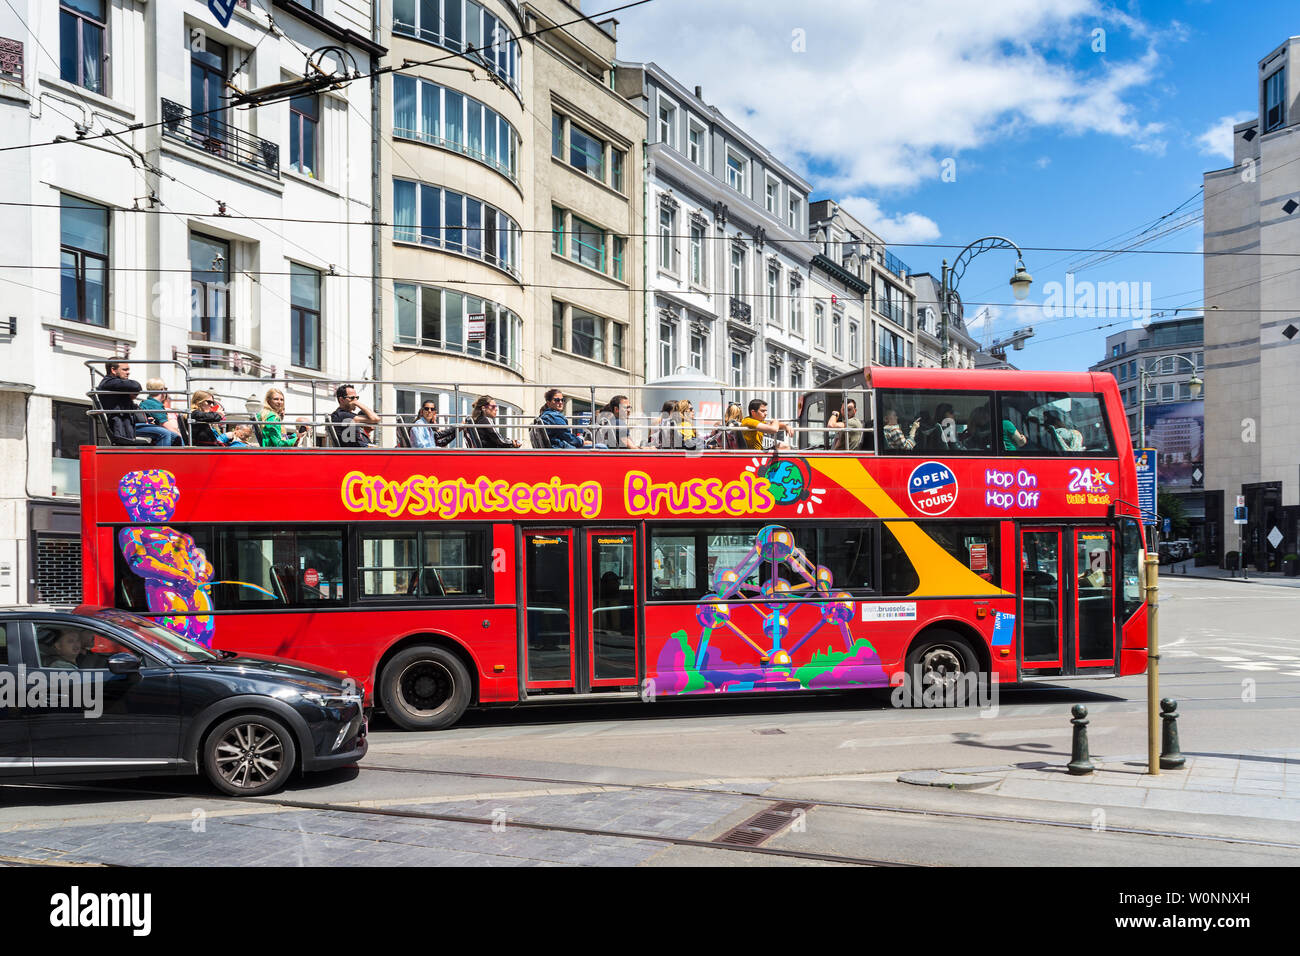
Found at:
(613, 429)
(157, 408)
(849, 427)
(425, 432)
(124, 421)
(274, 432)
(663, 433)
(756, 426)
(353, 413)
(205, 415)
(687, 436)
(552, 416)
(893, 433)
(485, 420)
(729, 434)
(239, 436)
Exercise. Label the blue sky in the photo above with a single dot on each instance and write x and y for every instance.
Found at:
(1058, 135)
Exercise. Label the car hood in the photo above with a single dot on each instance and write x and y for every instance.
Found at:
(278, 667)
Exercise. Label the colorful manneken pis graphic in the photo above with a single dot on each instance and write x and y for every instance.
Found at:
(176, 572)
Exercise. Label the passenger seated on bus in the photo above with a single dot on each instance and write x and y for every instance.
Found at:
(1071, 438)
(947, 420)
(664, 430)
(756, 426)
(1012, 437)
(686, 435)
(613, 424)
(485, 421)
(157, 408)
(205, 415)
(241, 436)
(558, 431)
(893, 432)
(976, 436)
(845, 419)
(729, 434)
(425, 432)
(348, 419)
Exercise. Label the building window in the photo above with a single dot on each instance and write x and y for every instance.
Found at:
(209, 66)
(772, 196)
(737, 368)
(209, 293)
(448, 119)
(695, 143)
(586, 152)
(772, 302)
(617, 158)
(667, 232)
(737, 168)
(667, 121)
(1275, 101)
(617, 332)
(430, 317)
(819, 326)
(433, 216)
(304, 120)
(467, 29)
(82, 25)
(737, 271)
(837, 335)
(557, 230)
(304, 316)
(796, 306)
(588, 245)
(699, 351)
(620, 247)
(557, 325)
(855, 336)
(667, 347)
(83, 261)
(697, 254)
(588, 340)
(793, 213)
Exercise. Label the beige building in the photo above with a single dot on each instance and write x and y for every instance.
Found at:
(1252, 337)
(511, 173)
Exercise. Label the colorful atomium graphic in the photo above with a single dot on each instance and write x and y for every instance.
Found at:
(789, 480)
(773, 599)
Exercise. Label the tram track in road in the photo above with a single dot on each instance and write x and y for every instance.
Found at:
(813, 802)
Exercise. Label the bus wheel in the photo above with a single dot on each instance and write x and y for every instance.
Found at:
(425, 688)
(940, 670)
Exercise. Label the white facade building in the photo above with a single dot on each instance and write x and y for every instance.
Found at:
(236, 242)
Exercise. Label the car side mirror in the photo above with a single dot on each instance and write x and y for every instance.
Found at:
(124, 663)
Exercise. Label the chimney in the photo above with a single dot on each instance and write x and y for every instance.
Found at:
(699, 93)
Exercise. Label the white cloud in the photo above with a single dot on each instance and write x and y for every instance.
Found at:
(886, 91)
(1217, 139)
(904, 227)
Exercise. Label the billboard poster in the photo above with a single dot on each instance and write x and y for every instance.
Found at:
(1145, 461)
(1176, 431)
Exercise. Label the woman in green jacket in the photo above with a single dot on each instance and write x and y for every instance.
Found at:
(273, 434)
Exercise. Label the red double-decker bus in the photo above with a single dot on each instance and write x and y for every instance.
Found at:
(956, 523)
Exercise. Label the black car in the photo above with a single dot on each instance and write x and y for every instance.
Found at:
(97, 693)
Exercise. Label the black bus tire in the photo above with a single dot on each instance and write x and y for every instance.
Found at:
(425, 688)
(944, 657)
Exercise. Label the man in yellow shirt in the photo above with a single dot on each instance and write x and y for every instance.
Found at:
(757, 425)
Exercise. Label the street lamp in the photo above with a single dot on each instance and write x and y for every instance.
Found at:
(951, 275)
(1194, 385)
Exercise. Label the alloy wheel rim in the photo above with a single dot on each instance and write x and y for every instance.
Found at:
(249, 755)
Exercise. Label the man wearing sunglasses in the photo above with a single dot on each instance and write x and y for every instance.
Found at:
(552, 415)
(425, 433)
(348, 419)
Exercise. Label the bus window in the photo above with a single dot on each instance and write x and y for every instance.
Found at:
(439, 563)
(974, 544)
(933, 423)
(258, 567)
(1054, 423)
(1131, 558)
(897, 575)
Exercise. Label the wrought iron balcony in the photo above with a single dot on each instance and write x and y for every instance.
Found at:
(741, 310)
(219, 139)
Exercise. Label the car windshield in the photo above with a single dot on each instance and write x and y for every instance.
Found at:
(169, 643)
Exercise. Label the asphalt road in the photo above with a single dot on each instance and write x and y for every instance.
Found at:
(659, 784)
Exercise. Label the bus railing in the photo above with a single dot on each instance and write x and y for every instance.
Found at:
(701, 417)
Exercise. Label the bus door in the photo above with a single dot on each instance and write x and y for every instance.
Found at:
(1067, 593)
(581, 609)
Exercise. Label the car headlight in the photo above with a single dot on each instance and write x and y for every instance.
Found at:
(331, 700)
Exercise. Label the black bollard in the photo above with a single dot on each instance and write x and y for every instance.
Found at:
(1080, 764)
(1171, 756)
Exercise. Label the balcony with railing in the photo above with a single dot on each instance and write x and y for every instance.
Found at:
(900, 315)
(219, 139)
(741, 311)
(896, 265)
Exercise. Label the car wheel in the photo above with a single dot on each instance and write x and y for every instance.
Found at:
(249, 755)
(425, 688)
(939, 671)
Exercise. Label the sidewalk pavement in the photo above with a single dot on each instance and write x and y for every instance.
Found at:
(1263, 786)
(1180, 569)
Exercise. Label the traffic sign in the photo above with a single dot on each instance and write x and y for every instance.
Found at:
(1239, 514)
(1145, 461)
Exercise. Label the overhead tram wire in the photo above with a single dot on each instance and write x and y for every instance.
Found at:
(383, 70)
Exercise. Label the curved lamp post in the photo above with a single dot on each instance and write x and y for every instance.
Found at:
(951, 275)
(1193, 388)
